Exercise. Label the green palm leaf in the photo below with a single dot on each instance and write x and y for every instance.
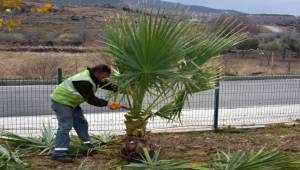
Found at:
(173, 109)
(10, 159)
(154, 163)
(261, 160)
(105, 139)
(41, 145)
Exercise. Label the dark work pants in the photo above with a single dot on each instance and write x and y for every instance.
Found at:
(67, 118)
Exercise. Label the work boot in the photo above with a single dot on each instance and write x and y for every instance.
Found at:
(91, 145)
(63, 159)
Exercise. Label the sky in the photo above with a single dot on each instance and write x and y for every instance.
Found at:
(291, 7)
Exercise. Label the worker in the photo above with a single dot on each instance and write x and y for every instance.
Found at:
(66, 100)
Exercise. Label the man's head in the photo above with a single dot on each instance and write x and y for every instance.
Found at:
(101, 72)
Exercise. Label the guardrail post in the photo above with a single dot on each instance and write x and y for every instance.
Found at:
(59, 75)
(216, 104)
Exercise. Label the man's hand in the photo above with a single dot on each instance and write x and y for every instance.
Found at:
(114, 106)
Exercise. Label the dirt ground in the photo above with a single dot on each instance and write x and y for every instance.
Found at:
(197, 147)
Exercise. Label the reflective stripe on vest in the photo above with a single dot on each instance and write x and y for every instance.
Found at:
(83, 76)
(66, 93)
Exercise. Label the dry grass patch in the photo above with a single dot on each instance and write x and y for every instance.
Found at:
(43, 65)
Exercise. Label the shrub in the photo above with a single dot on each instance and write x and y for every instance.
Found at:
(12, 38)
(274, 46)
(250, 44)
(71, 39)
(43, 68)
(292, 43)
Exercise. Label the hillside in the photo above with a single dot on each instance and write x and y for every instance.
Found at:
(155, 3)
(87, 2)
(191, 8)
(65, 25)
(71, 24)
(70, 36)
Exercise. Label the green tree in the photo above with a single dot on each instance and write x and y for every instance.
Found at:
(285, 46)
(291, 42)
(269, 49)
(165, 57)
(294, 45)
(249, 44)
(274, 46)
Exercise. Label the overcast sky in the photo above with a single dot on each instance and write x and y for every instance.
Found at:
(250, 6)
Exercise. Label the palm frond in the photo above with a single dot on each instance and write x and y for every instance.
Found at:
(77, 148)
(10, 159)
(146, 47)
(22, 142)
(4, 153)
(154, 163)
(84, 165)
(47, 138)
(105, 138)
(172, 110)
(203, 79)
(41, 145)
(261, 160)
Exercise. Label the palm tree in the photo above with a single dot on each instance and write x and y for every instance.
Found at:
(166, 57)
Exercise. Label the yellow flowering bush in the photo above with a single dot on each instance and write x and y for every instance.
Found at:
(7, 6)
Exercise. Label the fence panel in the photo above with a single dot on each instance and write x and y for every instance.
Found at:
(244, 101)
(257, 101)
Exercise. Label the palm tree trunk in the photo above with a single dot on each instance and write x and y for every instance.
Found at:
(135, 126)
(136, 119)
(136, 139)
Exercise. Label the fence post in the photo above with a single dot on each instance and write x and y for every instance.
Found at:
(59, 75)
(216, 104)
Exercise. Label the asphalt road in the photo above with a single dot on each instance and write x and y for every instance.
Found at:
(34, 99)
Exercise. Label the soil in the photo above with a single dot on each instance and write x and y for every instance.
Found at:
(195, 147)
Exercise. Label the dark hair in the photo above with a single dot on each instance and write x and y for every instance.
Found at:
(101, 68)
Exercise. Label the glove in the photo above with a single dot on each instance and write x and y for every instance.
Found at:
(115, 106)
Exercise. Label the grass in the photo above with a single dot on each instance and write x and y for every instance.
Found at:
(195, 147)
